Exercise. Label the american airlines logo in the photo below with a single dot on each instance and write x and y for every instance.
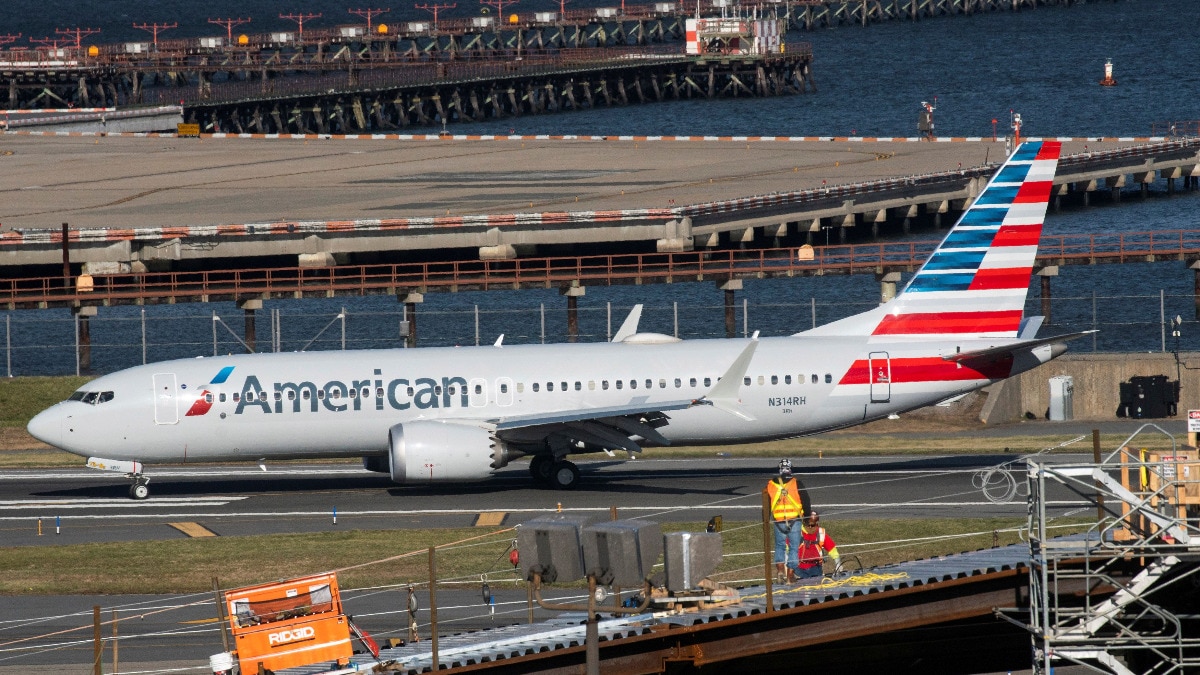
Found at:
(284, 637)
(338, 395)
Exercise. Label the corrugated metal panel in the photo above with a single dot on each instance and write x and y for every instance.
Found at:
(567, 630)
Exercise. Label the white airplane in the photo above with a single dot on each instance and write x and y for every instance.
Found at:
(459, 414)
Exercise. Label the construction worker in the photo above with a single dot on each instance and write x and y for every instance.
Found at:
(787, 508)
(815, 543)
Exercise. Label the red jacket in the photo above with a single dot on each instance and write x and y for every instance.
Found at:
(811, 544)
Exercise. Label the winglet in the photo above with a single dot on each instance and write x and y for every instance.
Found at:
(499, 341)
(724, 394)
(630, 326)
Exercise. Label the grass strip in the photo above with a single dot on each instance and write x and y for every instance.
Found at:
(188, 565)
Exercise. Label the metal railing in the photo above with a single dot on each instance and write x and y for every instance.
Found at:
(608, 269)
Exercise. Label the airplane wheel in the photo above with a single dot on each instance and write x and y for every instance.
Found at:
(541, 467)
(139, 491)
(564, 475)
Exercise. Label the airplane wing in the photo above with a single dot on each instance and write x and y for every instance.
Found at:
(622, 426)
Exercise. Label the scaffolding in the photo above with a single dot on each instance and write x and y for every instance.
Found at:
(1121, 597)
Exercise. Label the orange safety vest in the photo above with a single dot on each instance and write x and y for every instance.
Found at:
(785, 500)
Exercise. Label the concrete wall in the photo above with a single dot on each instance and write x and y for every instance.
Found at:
(1097, 378)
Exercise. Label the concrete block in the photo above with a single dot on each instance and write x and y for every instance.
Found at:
(552, 546)
(622, 552)
(689, 557)
(322, 259)
(498, 252)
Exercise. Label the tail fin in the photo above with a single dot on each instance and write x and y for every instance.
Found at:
(975, 282)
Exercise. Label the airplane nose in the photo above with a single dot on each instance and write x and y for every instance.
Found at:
(46, 426)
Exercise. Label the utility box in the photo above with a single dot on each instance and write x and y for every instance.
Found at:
(606, 12)
(482, 22)
(137, 47)
(352, 31)
(418, 26)
(290, 623)
(1062, 390)
(212, 42)
(621, 552)
(1149, 397)
(545, 17)
(552, 546)
(689, 557)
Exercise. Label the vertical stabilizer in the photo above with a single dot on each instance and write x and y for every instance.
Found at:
(975, 282)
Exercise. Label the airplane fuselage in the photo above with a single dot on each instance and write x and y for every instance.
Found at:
(341, 404)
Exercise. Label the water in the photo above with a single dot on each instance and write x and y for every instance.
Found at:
(1044, 64)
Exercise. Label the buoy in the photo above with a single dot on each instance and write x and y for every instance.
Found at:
(1109, 80)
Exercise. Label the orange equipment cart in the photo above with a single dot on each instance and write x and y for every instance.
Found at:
(297, 622)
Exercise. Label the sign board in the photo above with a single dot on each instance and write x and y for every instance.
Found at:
(1193, 420)
(187, 130)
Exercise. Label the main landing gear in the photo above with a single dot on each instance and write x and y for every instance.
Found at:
(141, 486)
(555, 473)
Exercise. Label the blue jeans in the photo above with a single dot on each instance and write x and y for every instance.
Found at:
(813, 572)
(787, 536)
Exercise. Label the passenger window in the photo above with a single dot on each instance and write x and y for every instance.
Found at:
(774, 379)
(708, 381)
(304, 395)
(814, 378)
(336, 393)
(278, 396)
(411, 391)
(578, 385)
(437, 390)
(237, 396)
(761, 380)
(320, 395)
(620, 383)
(649, 384)
(450, 390)
(633, 384)
(378, 392)
(592, 385)
(208, 398)
(692, 381)
(604, 385)
(479, 389)
(678, 383)
(503, 388)
(564, 386)
(520, 387)
(746, 381)
(291, 395)
(535, 386)
(353, 393)
(549, 386)
(787, 379)
(662, 384)
(828, 378)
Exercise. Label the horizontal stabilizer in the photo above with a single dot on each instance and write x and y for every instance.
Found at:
(1004, 350)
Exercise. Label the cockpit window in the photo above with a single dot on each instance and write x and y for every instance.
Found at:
(91, 397)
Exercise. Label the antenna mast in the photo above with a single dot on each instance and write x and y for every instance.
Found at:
(229, 24)
(153, 29)
(369, 14)
(300, 19)
(77, 33)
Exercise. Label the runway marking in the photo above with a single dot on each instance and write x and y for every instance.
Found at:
(829, 506)
(60, 504)
(193, 529)
(490, 519)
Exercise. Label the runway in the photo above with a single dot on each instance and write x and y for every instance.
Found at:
(81, 505)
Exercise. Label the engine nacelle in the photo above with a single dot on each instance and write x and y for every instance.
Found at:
(429, 451)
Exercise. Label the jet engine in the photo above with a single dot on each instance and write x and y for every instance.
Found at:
(430, 451)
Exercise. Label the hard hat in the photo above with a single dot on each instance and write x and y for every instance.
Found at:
(785, 466)
(812, 518)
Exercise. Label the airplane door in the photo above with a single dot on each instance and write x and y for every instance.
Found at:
(166, 410)
(880, 368)
(478, 392)
(504, 391)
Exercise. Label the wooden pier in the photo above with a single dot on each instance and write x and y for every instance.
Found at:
(346, 79)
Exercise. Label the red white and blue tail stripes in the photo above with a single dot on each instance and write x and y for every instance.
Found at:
(976, 281)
